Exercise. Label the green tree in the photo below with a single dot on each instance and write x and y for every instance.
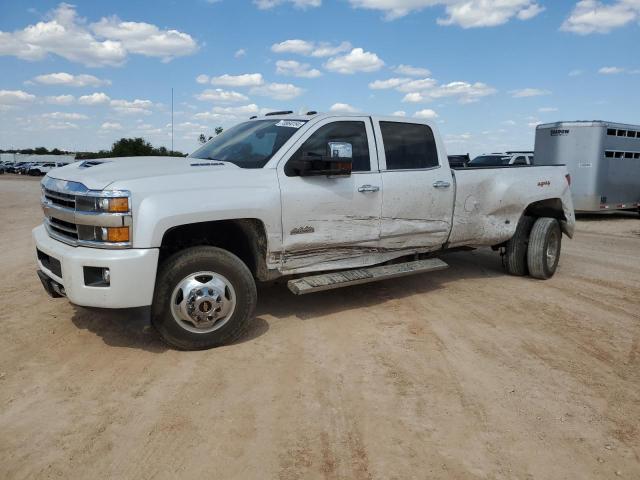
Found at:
(131, 147)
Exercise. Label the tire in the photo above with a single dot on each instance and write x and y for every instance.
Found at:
(514, 259)
(545, 243)
(186, 274)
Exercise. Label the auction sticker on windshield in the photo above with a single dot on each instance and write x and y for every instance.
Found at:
(290, 123)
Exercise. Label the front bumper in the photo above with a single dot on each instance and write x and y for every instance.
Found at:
(133, 272)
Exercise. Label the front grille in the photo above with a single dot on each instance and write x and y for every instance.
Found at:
(61, 199)
(61, 227)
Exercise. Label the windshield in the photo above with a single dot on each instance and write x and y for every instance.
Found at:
(249, 144)
(490, 161)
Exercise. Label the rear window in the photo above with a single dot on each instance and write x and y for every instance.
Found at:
(408, 146)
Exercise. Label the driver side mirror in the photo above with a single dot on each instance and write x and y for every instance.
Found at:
(338, 162)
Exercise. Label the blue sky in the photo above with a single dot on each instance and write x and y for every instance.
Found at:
(81, 76)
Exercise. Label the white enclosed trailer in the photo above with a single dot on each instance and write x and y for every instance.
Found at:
(603, 159)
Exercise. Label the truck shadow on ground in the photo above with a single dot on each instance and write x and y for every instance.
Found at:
(131, 328)
(276, 300)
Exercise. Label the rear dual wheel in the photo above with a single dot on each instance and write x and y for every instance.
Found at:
(543, 254)
(534, 249)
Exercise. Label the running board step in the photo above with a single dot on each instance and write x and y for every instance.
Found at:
(331, 280)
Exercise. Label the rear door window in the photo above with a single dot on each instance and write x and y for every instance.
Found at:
(408, 146)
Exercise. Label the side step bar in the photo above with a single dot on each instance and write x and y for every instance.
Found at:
(331, 280)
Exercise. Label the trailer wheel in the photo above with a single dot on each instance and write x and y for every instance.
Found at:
(204, 297)
(514, 258)
(545, 242)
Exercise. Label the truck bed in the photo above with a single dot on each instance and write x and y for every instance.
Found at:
(490, 200)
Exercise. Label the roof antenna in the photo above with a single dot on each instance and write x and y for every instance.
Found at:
(171, 119)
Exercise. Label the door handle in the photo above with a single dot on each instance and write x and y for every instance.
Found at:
(368, 188)
(441, 184)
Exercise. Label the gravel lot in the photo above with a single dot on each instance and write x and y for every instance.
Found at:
(464, 374)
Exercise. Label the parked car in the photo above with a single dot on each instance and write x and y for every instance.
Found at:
(459, 161)
(38, 169)
(2, 169)
(325, 200)
(502, 159)
(24, 168)
(14, 167)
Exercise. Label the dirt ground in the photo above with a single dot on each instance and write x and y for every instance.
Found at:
(461, 374)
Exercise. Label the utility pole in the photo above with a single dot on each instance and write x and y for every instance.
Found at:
(172, 119)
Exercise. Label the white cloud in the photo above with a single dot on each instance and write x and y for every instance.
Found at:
(465, 92)
(399, 113)
(610, 70)
(267, 4)
(97, 98)
(146, 39)
(241, 52)
(594, 16)
(15, 97)
(63, 78)
(244, 80)
(547, 109)
(107, 42)
(296, 69)
(61, 126)
(465, 13)
(459, 138)
(202, 79)
(576, 73)
(388, 83)
(60, 100)
(417, 85)
(412, 71)
(509, 122)
(228, 113)
(427, 114)
(135, 107)
(415, 97)
(355, 61)
(111, 126)
(484, 13)
(342, 108)
(529, 12)
(278, 91)
(310, 49)
(222, 96)
(529, 92)
(65, 116)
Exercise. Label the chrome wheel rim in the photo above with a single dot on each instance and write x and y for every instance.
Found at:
(203, 302)
(552, 248)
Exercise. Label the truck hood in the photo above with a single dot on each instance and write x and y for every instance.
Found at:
(98, 174)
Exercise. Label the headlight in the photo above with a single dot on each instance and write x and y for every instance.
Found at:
(103, 205)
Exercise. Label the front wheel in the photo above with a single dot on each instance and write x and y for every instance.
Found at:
(543, 253)
(204, 297)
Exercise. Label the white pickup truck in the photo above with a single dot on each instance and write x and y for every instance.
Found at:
(325, 200)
